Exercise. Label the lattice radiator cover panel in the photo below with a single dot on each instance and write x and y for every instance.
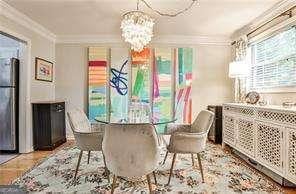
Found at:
(246, 135)
(240, 110)
(269, 145)
(288, 118)
(229, 129)
(292, 153)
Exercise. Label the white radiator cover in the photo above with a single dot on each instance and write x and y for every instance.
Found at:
(267, 134)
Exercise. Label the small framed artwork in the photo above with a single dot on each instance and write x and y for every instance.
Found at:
(43, 70)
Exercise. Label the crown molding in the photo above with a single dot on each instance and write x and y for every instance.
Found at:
(22, 19)
(271, 13)
(163, 39)
(191, 40)
(89, 39)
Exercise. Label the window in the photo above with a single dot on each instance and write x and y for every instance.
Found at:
(274, 61)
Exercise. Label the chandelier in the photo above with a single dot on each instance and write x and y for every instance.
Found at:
(137, 29)
(137, 26)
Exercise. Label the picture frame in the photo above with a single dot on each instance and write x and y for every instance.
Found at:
(43, 70)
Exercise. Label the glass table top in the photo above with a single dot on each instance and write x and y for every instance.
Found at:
(135, 122)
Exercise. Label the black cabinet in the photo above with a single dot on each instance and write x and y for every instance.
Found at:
(215, 133)
(49, 130)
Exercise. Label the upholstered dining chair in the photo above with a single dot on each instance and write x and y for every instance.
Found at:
(189, 138)
(87, 139)
(131, 151)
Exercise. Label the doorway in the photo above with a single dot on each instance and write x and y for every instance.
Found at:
(9, 97)
(14, 45)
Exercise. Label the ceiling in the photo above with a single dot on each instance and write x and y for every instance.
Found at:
(102, 17)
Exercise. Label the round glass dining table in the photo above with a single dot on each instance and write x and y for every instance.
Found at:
(153, 123)
(124, 122)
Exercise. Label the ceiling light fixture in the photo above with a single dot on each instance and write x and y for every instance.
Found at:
(137, 26)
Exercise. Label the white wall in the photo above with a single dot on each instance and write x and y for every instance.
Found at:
(30, 89)
(211, 84)
(71, 76)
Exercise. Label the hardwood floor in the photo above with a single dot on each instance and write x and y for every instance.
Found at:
(14, 168)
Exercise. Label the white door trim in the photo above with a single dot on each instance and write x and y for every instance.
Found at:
(25, 108)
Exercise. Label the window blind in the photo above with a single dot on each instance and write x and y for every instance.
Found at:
(274, 61)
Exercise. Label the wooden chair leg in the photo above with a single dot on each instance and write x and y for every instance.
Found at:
(88, 157)
(171, 170)
(113, 184)
(200, 167)
(149, 183)
(78, 163)
(192, 158)
(165, 157)
(106, 169)
(154, 175)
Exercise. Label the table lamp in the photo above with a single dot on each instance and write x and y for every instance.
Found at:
(238, 70)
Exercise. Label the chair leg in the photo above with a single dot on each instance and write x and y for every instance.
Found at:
(192, 158)
(154, 175)
(200, 167)
(149, 183)
(88, 157)
(171, 170)
(78, 163)
(165, 157)
(106, 169)
(113, 184)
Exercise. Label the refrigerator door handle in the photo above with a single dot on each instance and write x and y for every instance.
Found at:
(14, 71)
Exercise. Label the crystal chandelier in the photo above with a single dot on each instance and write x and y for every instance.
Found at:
(137, 26)
(137, 29)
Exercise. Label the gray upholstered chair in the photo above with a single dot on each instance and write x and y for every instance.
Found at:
(131, 150)
(190, 139)
(87, 139)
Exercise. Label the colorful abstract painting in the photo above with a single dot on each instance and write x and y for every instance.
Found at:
(160, 81)
(140, 69)
(141, 75)
(162, 86)
(119, 84)
(97, 80)
(183, 101)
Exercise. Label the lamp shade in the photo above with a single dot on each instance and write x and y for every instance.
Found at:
(238, 69)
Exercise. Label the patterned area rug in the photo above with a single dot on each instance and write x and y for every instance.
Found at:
(223, 174)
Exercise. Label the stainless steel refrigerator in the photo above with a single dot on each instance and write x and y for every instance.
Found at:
(9, 81)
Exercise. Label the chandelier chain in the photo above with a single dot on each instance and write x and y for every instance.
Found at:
(167, 14)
